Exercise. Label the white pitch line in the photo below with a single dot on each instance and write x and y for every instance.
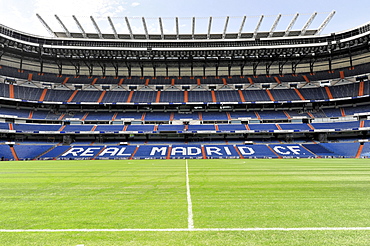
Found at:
(193, 229)
(188, 195)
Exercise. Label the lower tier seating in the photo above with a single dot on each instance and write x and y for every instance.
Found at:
(181, 151)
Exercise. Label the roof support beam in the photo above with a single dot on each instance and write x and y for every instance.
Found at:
(63, 26)
(274, 25)
(113, 28)
(145, 28)
(325, 22)
(46, 25)
(96, 27)
(209, 27)
(161, 27)
(129, 28)
(225, 27)
(291, 24)
(258, 26)
(79, 26)
(193, 28)
(177, 27)
(242, 26)
(308, 23)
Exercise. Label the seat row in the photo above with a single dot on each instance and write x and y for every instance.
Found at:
(150, 128)
(45, 152)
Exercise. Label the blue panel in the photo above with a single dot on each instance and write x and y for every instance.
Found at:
(152, 151)
(343, 149)
(143, 128)
(5, 152)
(366, 150)
(170, 127)
(116, 152)
(81, 152)
(231, 127)
(262, 127)
(202, 128)
(255, 151)
(291, 150)
(220, 151)
(30, 151)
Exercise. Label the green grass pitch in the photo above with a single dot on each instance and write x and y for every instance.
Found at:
(152, 194)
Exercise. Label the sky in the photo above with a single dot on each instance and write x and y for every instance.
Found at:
(21, 14)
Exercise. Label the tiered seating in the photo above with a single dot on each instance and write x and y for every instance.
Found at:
(106, 116)
(218, 116)
(314, 93)
(77, 128)
(256, 95)
(144, 96)
(25, 152)
(5, 152)
(35, 127)
(336, 125)
(263, 127)
(200, 96)
(272, 115)
(172, 96)
(157, 116)
(115, 96)
(342, 149)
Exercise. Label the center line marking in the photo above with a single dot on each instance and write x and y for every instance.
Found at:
(190, 205)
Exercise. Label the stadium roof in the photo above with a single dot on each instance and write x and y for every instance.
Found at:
(178, 35)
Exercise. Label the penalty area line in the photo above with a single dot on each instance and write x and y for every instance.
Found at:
(193, 229)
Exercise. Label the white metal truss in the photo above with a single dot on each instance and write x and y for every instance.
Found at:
(63, 26)
(258, 26)
(177, 27)
(325, 22)
(80, 26)
(308, 23)
(225, 27)
(113, 28)
(96, 27)
(145, 28)
(193, 28)
(242, 26)
(46, 25)
(129, 28)
(207, 33)
(209, 27)
(274, 25)
(161, 27)
(291, 24)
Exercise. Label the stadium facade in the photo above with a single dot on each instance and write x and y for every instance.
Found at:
(231, 95)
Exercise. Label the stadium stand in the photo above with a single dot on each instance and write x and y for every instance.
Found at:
(251, 105)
